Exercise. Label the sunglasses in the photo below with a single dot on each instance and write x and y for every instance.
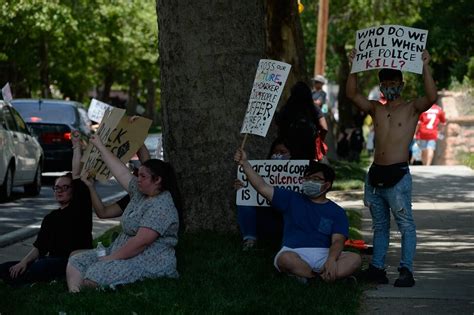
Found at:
(61, 188)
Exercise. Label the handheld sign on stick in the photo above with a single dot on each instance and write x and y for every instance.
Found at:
(122, 137)
(7, 93)
(97, 110)
(267, 87)
(389, 46)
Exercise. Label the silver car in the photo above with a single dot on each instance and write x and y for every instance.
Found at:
(21, 155)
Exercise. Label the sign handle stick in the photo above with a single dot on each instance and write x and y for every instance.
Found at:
(243, 142)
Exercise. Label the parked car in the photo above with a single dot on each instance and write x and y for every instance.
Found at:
(153, 143)
(52, 122)
(21, 155)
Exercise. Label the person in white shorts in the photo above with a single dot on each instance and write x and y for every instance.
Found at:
(315, 228)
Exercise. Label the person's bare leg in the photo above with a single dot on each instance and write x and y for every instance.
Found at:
(347, 264)
(90, 284)
(292, 263)
(424, 156)
(73, 278)
(429, 156)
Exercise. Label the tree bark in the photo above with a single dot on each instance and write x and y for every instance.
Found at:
(108, 81)
(209, 52)
(284, 39)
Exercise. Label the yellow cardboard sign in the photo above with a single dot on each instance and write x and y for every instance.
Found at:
(122, 137)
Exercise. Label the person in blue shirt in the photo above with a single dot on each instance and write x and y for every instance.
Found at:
(314, 227)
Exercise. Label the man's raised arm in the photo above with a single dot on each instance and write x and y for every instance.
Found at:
(351, 89)
(431, 93)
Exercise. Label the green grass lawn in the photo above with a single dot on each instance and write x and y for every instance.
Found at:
(216, 278)
(350, 175)
(466, 158)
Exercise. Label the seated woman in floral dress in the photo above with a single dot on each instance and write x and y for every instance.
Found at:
(150, 222)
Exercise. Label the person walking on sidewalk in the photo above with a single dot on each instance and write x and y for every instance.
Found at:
(427, 132)
(388, 182)
(62, 231)
(315, 227)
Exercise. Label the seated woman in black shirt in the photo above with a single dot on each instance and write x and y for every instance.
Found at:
(63, 231)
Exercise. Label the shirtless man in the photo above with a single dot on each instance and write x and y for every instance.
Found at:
(388, 183)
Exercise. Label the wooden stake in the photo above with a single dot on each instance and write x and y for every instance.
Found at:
(243, 142)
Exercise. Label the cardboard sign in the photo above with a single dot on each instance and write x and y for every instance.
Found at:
(120, 136)
(278, 173)
(268, 85)
(390, 46)
(97, 110)
(7, 93)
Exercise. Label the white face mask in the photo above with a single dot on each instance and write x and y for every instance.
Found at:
(312, 188)
(278, 156)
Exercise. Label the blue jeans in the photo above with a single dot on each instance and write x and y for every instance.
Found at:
(396, 199)
(42, 269)
(257, 222)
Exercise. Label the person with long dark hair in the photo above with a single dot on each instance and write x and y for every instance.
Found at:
(301, 122)
(150, 223)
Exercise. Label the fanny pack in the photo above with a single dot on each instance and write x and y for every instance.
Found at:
(385, 176)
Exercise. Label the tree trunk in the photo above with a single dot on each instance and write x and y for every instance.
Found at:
(108, 81)
(132, 95)
(284, 39)
(44, 69)
(209, 52)
(151, 99)
(345, 106)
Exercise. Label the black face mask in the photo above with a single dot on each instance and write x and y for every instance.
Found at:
(391, 93)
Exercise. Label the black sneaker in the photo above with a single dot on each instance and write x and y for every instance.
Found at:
(405, 279)
(374, 275)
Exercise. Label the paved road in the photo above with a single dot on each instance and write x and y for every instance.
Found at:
(443, 203)
(23, 211)
(20, 218)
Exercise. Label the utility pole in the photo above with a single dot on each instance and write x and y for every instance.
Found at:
(321, 37)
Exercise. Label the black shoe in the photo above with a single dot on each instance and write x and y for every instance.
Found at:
(405, 279)
(374, 275)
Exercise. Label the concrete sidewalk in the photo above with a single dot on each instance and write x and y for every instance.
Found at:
(443, 207)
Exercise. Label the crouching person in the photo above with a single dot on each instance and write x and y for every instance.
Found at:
(315, 227)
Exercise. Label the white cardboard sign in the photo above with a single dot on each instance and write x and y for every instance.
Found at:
(278, 173)
(389, 46)
(267, 87)
(7, 93)
(97, 109)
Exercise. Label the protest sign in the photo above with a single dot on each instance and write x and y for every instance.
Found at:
(7, 93)
(97, 110)
(120, 136)
(267, 87)
(389, 46)
(278, 173)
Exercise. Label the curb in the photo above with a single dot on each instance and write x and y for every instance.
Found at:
(33, 229)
